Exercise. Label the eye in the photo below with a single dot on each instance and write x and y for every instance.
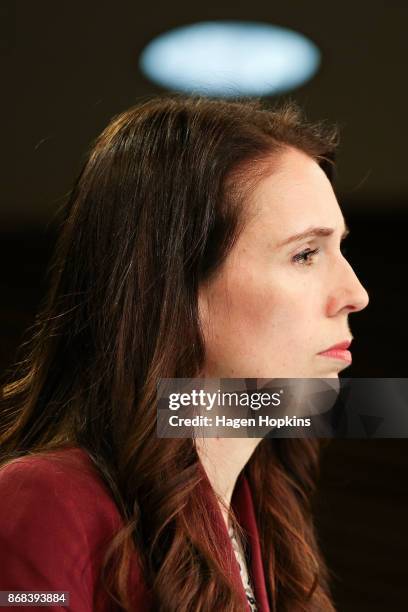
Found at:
(305, 257)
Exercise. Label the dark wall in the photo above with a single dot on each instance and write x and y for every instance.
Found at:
(361, 513)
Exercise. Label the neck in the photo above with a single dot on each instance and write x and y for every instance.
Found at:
(223, 459)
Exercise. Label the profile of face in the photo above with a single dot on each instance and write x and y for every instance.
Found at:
(275, 304)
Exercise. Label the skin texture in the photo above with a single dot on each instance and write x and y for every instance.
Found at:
(266, 315)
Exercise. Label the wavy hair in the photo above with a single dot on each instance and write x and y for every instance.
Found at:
(156, 208)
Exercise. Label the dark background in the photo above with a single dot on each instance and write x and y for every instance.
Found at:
(69, 67)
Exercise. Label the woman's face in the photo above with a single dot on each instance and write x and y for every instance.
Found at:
(272, 309)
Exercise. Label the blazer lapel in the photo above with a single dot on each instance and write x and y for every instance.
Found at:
(243, 505)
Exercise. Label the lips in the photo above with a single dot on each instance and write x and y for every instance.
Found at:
(341, 345)
(338, 351)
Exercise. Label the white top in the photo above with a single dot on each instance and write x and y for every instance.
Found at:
(243, 570)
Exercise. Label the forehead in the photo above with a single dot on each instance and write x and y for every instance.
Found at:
(295, 195)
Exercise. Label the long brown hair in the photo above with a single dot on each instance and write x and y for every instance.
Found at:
(154, 212)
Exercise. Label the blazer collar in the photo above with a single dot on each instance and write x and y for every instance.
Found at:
(243, 506)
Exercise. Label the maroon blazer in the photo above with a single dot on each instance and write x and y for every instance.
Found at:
(56, 516)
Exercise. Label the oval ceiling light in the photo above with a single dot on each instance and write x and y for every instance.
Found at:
(230, 58)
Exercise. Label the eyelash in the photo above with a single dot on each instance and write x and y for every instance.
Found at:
(299, 258)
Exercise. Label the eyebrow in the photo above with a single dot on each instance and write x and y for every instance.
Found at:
(313, 232)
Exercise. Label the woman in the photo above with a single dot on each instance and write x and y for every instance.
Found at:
(177, 259)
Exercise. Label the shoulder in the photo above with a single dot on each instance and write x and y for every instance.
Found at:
(56, 516)
(64, 479)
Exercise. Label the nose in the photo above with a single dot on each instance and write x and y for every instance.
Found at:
(348, 293)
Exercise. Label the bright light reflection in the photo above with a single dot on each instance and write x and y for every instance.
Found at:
(229, 58)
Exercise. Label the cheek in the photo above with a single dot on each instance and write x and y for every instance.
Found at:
(266, 304)
(249, 313)
(274, 321)
(262, 319)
